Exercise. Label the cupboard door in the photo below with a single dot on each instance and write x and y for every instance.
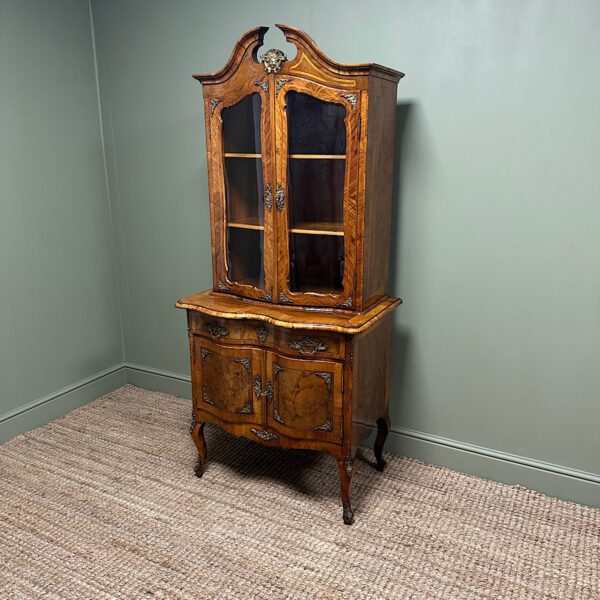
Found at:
(317, 183)
(240, 170)
(306, 399)
(227, 381)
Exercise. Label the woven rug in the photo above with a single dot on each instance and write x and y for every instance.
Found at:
(103, 503)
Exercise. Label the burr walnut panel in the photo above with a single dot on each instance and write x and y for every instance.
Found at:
(223, 379)
(307, 397)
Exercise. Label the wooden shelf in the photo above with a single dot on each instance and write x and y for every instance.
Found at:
(318, 156)
(318, 228)
(241, 155)
(246, 223)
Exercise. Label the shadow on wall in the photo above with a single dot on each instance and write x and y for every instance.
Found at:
(400, 336)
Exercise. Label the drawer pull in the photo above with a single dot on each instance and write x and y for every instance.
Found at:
(268, 193)
(262, 333)
(264, 435)
(268, 393)
(308, 346)
(279, 198)
(216, 330)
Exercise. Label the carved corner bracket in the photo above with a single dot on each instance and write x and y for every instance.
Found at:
(352, 98)
(281, 81)
(245, 362)
(326, 377)
(205, 397)
(277, 416)
(214, 102)
(263, 85)
(283, 299)
(268, 296)
(327, 426)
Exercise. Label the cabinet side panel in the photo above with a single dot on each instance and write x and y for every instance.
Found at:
(215, 238)
(371, 377)
(381, 131)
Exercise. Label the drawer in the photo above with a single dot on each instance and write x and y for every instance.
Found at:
(231, 331)
(308, 343)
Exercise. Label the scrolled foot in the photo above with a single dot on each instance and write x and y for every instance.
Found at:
(348, 513)
(199, 468)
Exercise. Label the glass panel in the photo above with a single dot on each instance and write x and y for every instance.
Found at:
(314, 126)
(241, 126)
(316, 263)
(245, 256)
(315, 193)
(244, 191)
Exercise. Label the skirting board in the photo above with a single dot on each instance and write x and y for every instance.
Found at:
(552, 480)
(43, 410)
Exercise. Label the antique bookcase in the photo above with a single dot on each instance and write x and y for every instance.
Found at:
(292, 346)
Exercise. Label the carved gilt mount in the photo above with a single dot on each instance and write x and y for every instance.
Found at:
(216, 330)
(308, 346)
(264, 435)
(272, 60)
(262, 333)
(281, 81)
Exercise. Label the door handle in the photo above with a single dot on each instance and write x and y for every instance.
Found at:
(267, 393)
(279, 198)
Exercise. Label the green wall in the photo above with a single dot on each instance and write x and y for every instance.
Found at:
(60, 326)
(497, 211)
(496, 219)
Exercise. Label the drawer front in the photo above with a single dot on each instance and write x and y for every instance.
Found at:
(310, 344)
(231, 331)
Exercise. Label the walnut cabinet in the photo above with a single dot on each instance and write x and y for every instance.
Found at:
(291, 347)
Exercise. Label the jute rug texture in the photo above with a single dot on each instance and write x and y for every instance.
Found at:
(104, 504)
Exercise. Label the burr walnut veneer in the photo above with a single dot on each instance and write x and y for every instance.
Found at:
(291, 347)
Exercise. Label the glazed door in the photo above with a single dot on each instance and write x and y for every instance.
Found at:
(240, 170)
(223, 380)
(317, 181)
(306, 397)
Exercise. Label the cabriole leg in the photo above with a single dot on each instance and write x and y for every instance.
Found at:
(346, 468)
(197, 431)
(383, 428)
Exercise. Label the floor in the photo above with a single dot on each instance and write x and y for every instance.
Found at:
(103, 503)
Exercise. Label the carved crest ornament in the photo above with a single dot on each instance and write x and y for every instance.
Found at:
(272, 60)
